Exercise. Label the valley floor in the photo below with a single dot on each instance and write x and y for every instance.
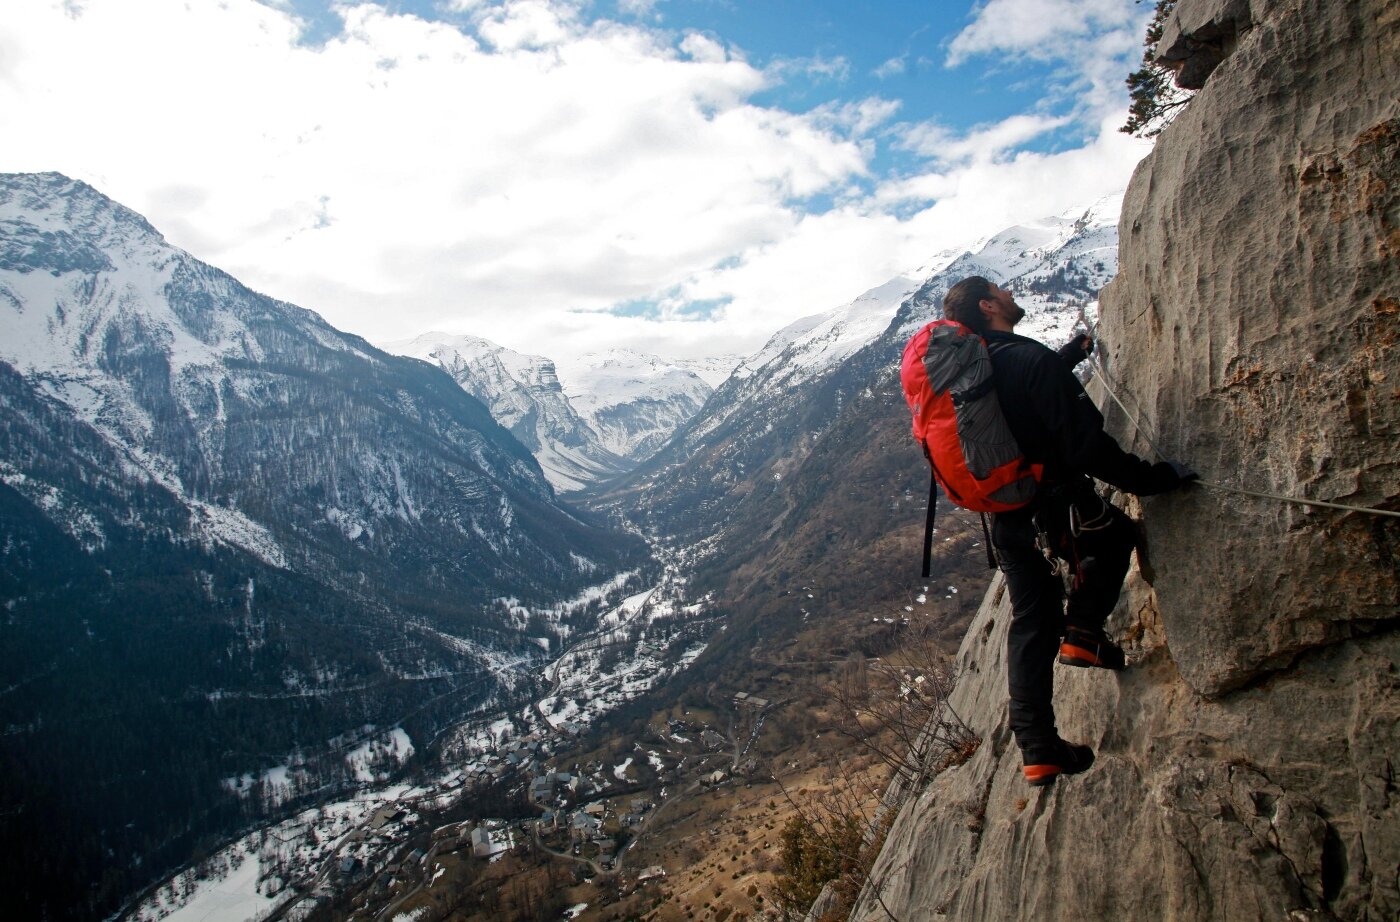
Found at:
(592, 800)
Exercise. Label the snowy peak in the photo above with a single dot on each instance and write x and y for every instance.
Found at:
(523, 393)
(603, 379)
(204, 388)
(633, 400)
(713, 371)
(593, 417)
(72, 223)
(1054, 267)
(511, 384)
(820, 341)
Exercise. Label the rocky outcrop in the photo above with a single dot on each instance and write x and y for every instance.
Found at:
(1246, 762)
(1199, 36)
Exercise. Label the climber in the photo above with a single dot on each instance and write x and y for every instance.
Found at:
(1055, 424)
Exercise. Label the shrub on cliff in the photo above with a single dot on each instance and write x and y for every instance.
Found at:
(1156, 99)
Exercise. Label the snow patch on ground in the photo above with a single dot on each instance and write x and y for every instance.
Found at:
(377, 759)
(253, 876)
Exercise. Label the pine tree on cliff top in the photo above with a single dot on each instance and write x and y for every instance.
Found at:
(1156, 99)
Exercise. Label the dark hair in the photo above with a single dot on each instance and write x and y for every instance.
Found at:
(962, 300)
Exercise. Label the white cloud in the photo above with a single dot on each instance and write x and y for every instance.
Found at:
(892, 68)
(984, 143)
(636, 7)
(1091, 43)
(859, 118)
(1038, 28)
(515, 178)
(529, 24)
(403, 172)
(836, 69)
(831, 258)
(977, 193)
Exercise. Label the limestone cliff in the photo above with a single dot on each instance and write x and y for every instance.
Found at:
(1247, 758)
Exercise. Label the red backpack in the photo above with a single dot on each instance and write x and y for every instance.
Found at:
(947, 379)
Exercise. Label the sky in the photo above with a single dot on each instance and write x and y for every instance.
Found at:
(682, 177)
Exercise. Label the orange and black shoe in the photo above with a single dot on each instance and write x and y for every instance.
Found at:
(1043, 764)
(1085, 648)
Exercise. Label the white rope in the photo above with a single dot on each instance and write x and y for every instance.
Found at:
(1102, 375)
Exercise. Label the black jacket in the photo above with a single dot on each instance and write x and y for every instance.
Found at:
(1057, 425)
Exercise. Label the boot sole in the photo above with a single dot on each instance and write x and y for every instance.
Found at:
(1039, 776)
(1070, 655)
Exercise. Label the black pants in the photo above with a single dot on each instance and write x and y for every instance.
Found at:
(1039, 614)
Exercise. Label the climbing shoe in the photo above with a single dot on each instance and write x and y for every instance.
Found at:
(1043, 764)
(1087, 648)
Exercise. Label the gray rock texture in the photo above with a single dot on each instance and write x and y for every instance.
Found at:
(1247, 759)
(1199, 36)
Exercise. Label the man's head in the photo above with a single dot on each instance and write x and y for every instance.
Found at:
(981, 306)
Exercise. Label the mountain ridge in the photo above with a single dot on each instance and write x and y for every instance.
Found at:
(227, 521)
(589, 423)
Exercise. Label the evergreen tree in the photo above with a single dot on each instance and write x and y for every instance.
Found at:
(1156, 99)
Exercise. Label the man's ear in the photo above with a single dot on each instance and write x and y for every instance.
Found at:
(987, 306)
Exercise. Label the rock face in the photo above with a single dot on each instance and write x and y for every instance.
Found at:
(1246, 760)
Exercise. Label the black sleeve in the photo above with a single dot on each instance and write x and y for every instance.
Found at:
(1076, 426)
(1073, 352)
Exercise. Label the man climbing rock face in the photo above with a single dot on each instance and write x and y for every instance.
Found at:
(1055, 425)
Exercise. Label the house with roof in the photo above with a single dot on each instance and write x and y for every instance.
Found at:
(386, 815)
(584, 827)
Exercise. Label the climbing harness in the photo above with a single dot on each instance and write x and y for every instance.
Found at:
(1104, 378)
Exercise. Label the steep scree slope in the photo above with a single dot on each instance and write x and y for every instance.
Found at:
(1247, 760)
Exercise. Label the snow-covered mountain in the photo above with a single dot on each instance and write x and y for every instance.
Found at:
(740, 475)
(713, 370)
(634, 401)
(523, 393)
(233, 537)
(798, 491)
(586, 418)
(1055, 267)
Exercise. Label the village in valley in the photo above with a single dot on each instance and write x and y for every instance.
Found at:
(560, 821)
(589, 798)
(538, 805)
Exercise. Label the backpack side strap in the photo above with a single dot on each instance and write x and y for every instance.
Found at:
(928, 522)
